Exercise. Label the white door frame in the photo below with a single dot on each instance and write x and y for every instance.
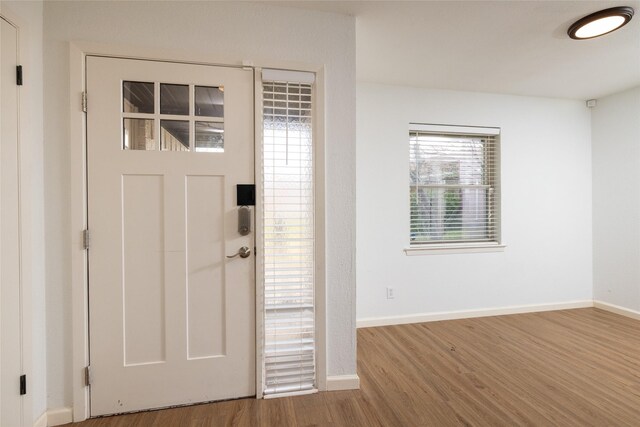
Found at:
(78, 51)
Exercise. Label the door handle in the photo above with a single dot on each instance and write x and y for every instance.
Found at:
(244, 252)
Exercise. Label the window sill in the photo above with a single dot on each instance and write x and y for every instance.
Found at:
(454, 249)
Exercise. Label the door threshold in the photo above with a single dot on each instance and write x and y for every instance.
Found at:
(162, 408)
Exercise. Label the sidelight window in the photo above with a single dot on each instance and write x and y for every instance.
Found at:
(288, 240)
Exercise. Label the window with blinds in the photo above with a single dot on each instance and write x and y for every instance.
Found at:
(454, 185)
(288, 237)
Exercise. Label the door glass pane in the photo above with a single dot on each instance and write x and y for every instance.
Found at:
(209, 101)
(174, 135)
(137, 97)
(174, 99)
(209, 137)
(138, 135)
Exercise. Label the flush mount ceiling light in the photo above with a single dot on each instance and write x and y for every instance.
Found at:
(600, 23)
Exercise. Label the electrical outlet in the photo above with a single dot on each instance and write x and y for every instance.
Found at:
(391, 294)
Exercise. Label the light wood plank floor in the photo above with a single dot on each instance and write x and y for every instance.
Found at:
(563, 368)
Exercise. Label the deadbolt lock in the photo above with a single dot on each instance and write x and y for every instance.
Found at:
(243, 252)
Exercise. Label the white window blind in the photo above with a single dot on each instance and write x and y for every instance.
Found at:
(454, 185)
(288, 252)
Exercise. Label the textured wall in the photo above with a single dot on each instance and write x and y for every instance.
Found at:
(615, 128)
(546, 204)
(235, 31)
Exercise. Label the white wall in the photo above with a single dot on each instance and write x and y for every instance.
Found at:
(615, 126)
(546, 204)
(28, 16)
(229, 30)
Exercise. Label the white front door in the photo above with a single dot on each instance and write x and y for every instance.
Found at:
(10, 288)
(171, 317)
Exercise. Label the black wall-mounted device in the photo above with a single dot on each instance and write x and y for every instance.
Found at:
(246, 195)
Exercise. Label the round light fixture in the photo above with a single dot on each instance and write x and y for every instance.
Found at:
(600, 23)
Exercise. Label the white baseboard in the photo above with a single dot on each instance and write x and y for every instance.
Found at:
(56, 417)
(617, 309)
(41, 421)
(343, 382)
(466, 314)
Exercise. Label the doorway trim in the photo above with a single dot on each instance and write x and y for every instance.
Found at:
(78, 51)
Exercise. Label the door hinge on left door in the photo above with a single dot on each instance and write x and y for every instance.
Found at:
(19, 75)
(84, 102)
(86, 239)
(23, 385)
(87, 376)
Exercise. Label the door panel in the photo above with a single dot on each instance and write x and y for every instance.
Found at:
(143, 281)
(171, 317)
(206, 285)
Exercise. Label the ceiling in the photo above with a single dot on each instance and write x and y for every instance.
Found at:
(513, 47)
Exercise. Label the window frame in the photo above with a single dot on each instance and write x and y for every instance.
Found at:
(470, 246)
(278, 77)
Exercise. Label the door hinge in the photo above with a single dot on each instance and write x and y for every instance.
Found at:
(19, 75)
(87, 376)
(23, 385)
(84, 102)
(86, 239)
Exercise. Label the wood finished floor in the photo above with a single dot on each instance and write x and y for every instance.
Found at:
(563, 368)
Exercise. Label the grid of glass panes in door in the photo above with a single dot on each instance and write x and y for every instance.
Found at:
(172, 117)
